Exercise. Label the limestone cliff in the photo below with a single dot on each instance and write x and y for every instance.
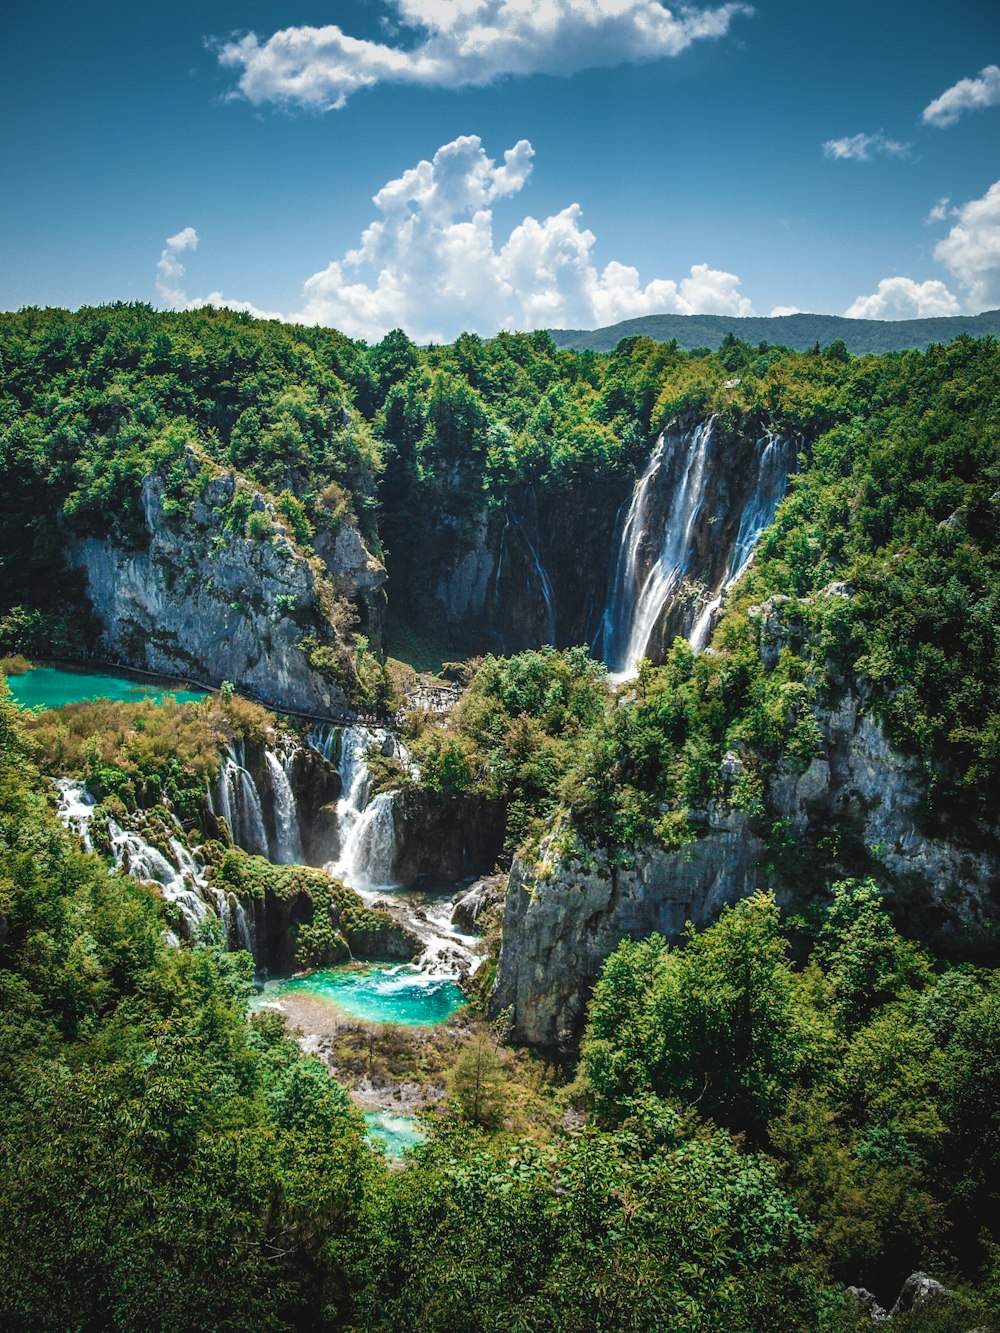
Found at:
(566, 911)
(530, 573)
(195, 597)
(564, 915)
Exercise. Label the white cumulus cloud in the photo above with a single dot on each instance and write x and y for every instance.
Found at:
(170, 269)
(430, 263)
(863, 147)
(903, 298)
(966, 95)
(971, 250)
(466, 43)
(940, 210)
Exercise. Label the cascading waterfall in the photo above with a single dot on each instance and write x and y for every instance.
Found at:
(672, 526)
(288, 839)
(541, 576)
(181, 877)
(368, 853)
(544, 584)
(367, 828)
(323, 740)
(141, 860)
(75, 807)
(769, 489)
(636, 603)
(237, 800)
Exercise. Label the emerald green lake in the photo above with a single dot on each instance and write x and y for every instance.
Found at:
(378, 993)
(50, 687)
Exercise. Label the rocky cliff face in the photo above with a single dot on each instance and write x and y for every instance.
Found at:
(564, 914)
(535, 572)
(442, 839)
(197, 599)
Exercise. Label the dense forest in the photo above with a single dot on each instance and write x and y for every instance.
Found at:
(759, 1113)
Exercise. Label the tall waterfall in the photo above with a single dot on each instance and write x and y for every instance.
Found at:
(367, 828)
(694, 518)
(288, 839)
(544, 584)
(772, 481)
(636, 602)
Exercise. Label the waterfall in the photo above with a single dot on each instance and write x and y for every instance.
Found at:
(758, 514)
(541, 576)
(178, 884)
(288, 840)
(323, 739)
(367, 828)
(696, 514)
(367, 856)
(75, 808)
(181, 878)
(544, 584)
(240, 929)
(636, 603)
(240, 805)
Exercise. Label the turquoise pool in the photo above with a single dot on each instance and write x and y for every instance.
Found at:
(376, 993)
(51, 687)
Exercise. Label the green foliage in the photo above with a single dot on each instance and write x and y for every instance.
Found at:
(515, 731)
(858, 1071)
(714, 1023)
(197, 1184)
(476, 1085)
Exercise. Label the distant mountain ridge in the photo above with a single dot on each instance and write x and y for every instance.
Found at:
(797, 331)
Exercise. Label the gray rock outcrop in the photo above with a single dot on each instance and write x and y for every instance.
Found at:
(563, 917)
(565, 913)
(198, 599)
(477, 902)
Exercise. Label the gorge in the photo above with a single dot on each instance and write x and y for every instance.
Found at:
(591, 755)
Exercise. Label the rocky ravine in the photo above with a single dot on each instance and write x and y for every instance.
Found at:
(196, 599)
(564, 914)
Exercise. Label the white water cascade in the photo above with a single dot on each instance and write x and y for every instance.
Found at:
(769, 489)
(237, 799)
(636, 603)
(541, 576)
(544, 584)
(668, 537)
(181, 878)
(179, 884)
(366, 828)
(368, 852)
(288, 839)
(75, 808)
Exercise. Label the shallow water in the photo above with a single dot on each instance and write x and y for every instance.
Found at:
(397, 1132)
(375, 993)
(51, 687)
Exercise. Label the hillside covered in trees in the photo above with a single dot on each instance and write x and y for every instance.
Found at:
(861, 337)
(783, 1088)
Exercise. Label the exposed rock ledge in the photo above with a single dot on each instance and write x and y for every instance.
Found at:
(199, 600)
(564, 915)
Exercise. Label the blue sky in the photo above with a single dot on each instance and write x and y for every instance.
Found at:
(735, 158)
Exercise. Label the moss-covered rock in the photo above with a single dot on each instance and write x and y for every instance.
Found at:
(305, 918)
